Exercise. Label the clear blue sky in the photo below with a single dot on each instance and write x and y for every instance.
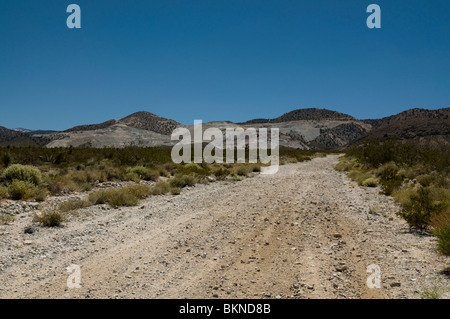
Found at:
(218, 59)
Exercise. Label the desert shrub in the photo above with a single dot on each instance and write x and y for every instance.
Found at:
(161, 188)
(441, 229)
(55, 184)
(359, 176)
(40, 194)
(222, 173)
(433, 179)
(390, 180)
(182, 181)
(175, 191)
(194, 169)
(74, 204)
(345, 164)
(133, 177)
(114, 198)
(51, 218)
(21, 190)
(138, 191)
(419, 208)
(145, 173)
(4, 192)
(242, 170)
(376, 153)
(126, 196)
(370, 182)
(23, 173)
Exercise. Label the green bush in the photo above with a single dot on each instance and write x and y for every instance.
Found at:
(390, 180)
(23, 173)
(420, 208)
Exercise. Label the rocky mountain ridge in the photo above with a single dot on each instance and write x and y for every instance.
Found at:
(302, 129)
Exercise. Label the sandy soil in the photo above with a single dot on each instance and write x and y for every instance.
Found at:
(306, 232)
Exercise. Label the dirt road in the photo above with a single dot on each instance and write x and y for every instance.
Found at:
(306, 232)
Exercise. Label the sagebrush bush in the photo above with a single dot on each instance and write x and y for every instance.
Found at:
(25, 173)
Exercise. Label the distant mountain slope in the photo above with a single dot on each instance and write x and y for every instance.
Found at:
(140, 120)
(302, 129)
(309, 114)
(411, 124)
(7, 135)
(338, 136)
(313, 114)
(17, 138)
(92, 127)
